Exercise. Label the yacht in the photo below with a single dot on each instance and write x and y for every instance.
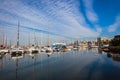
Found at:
(4, 51)
(16, 50)
(48, 49)
(34, 49)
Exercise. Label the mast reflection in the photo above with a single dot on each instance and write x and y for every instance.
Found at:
(1, 60)
(16, 58)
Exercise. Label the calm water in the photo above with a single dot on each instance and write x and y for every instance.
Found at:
(72, 65)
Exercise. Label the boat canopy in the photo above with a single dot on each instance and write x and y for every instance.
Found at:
(58, 44)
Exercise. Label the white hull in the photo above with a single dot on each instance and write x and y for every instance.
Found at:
(34, 50)
(4, 51)
(48, 50)
(14, 57)
(16, 50)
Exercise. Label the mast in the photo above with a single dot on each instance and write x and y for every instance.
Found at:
(35, 38)
(3, 37)
(6, 42)
(10, 44)
(47, 41)
(29, 39)
(48, 38)
(18, 35)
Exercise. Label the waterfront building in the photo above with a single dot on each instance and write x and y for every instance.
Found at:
(99, 41)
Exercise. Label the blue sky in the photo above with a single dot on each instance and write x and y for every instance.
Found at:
(66, 18)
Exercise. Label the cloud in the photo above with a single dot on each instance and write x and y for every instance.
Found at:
(98, 28)
(90, 13)
(113, 27)
(60, 17)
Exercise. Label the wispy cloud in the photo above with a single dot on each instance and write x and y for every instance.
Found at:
(61, 17)
(98, 28)
(90, 13)
(113, 27)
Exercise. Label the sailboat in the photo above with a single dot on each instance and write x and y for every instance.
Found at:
(34, 48)
(18, 49)
(48, 49)
(3, 47)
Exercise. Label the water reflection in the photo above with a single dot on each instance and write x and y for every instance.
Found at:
(114, 56)
(33, 55)
(1, 61)
(83, 64)
(100, 50)
(49, 53)
(16, 58)
(109, 55)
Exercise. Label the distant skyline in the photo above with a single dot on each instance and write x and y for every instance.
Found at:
(66, 18)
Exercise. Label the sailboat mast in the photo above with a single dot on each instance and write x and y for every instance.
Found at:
(29, 39)
(18, 34)
(34, 38)
(6, 42)
(3, 38)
